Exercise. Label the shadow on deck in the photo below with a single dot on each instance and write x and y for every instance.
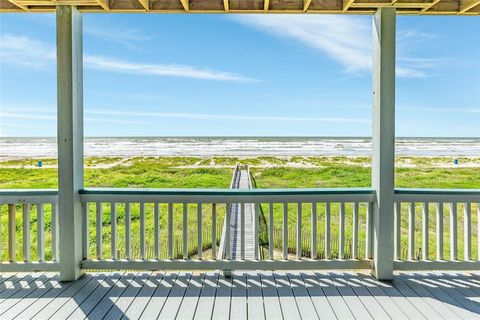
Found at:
(252, 295)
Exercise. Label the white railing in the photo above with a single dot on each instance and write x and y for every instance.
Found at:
(204, 207)
(33, 245)
(180, 229)
(425, 246)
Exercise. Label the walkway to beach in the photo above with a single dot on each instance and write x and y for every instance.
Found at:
(241, 181)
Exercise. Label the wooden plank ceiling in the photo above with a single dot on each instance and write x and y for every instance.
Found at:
(410, 7)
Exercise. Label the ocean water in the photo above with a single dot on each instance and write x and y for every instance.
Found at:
(12, 147)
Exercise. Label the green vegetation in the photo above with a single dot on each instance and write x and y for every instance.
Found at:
(269, 172)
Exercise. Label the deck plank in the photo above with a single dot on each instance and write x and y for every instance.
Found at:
(96, 296)
(356, 306)
(174, 300)
(109, 300)
(160, 295)
(12, 286)
(302, 298)
(78, 298)
(190, 300)
(30, 299)
(59, 289)
(238, 302)
(424, 301)
(127, 297)
(56, 303)
(393, 302)
(255, 301)
(339, 305)
(270, 296)
(137, 306)
(285, 294)
(444, 298)
(21, 293)
(461, 294)
(320, 301)
(247, 295)
(370, 303)
(221, 307)
(206, 300)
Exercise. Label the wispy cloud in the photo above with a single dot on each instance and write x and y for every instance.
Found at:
(343, 39)
(25, 51)
(346, 40)
(47, 113)
(207, 116)
(172, 70)
(441, 109)
(127, 37)
(32, 53)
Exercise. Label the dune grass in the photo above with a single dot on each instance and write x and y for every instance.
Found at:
(269, 172)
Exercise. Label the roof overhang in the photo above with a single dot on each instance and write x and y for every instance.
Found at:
(405, 7)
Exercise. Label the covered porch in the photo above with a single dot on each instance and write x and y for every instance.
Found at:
(69, 281)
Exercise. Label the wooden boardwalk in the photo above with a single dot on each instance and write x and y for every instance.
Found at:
(241, 182)
(250, 295)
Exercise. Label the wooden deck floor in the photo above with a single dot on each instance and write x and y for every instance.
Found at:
(251, 295)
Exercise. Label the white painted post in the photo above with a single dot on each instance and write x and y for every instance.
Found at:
(383, 139)
(70, 139)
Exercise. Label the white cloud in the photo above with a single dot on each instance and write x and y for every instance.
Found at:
(49, 113)
(441, 109)
(347, 40)
(206, 116)
(172, 70)
(343, 39)
(25, 51)
(28, 52)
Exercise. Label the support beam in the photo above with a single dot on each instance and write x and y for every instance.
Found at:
(430, 6)
(70, 139)
(105, 4)
(186, 5)
(467, 5)
(383, 139)
(306, 4)
(347, 4)
(226, 5)
(266, 4)
(145, 4)
(19, 5)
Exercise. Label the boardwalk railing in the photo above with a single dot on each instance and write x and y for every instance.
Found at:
(424, 246)
(179, 229)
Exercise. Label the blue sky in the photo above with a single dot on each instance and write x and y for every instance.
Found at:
(221, 75)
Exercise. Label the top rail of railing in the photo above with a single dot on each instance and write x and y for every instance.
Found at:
(10, 196)
(239, 195)
(437, 195)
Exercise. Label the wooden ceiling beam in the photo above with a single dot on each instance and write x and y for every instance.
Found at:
(186, 5)
(105, 4)
(430, 6)
(23, 7)
(306, 4)
(467, 5)
(145, 4)
(347, 4)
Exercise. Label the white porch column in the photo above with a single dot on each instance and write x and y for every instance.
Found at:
(70, 138)
(383, 139)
